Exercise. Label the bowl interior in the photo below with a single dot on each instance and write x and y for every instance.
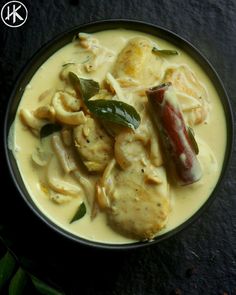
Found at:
(47, 50)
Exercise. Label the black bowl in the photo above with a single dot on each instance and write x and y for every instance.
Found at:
(46, 51)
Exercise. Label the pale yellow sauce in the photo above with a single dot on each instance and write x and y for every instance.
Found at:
(185, 200)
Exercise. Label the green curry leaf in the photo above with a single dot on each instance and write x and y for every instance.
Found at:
(18, 282)
(48, 129)
(109, 110)
(7, 265)
(193, 140)
(75, 37)
(67, 64)
(115, 111)
(85, 87)
(79, 213)
(43, 288)
(164, 51)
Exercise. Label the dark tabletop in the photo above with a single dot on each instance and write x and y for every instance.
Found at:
(199, 260)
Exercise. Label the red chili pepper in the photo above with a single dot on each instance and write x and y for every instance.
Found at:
(174, 135)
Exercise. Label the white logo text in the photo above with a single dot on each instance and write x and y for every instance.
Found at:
(14, 14)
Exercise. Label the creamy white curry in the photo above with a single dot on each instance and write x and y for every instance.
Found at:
(119, 136)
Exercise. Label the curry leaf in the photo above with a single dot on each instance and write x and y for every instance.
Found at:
(48, 129)
(110, 110)
(79, 213)
(164, 51)
(7, 265)
(193, 140)
(18, 282)
(67, 64)
(85, 87)
(75, 37)
(43, 288)
(115, 111)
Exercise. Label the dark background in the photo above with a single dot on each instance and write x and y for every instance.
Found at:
(199, 260)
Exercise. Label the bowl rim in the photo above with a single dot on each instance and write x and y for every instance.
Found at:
(140, 26)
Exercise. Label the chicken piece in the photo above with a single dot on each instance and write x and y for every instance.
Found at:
(136, 197)
(134, 206)
(132, 58)
(93, 144)
(99, 54)
(58, 198)
(129, 147)
(137, 64)
(88, 42)
(191, 93)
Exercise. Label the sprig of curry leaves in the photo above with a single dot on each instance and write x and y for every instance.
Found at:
(109, 110)
(7, 267)
(15, 278)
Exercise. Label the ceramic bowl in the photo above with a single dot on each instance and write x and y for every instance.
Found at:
(46, 51)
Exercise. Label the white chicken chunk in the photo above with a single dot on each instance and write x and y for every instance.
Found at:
(191, 93)
(133, 192)
(129, 147)
(137, 64)
(99, 54)
(93, 144)
(135, 206)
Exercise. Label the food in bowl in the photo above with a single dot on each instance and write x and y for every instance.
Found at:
(119, 137)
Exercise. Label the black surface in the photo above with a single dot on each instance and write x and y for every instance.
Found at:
(200, 260)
